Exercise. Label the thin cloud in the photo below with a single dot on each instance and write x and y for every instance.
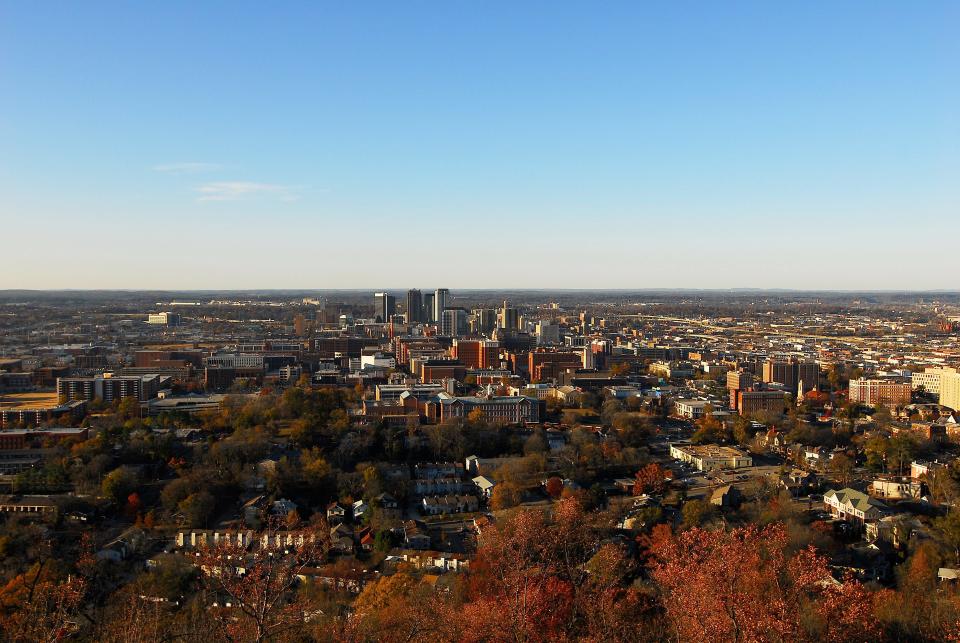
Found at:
(187, 168)
(238, 190)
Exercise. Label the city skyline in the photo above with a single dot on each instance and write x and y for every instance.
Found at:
(806, 148)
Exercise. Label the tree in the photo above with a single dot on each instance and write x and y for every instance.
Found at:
(118, 484)
(554, 486)
(695, 512)
(633, 429)
(943, 487)
(197, 508)
(650, 479)
(949, 528)
(260, 582)
(505, 495)
(841, 468)
(740, 586)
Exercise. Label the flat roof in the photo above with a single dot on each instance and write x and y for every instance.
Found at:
(29, 400)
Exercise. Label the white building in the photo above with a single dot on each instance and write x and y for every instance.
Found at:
(709, 457)
(850, 504)
(692, 409)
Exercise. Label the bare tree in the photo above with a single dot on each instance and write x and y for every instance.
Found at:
(254, 585)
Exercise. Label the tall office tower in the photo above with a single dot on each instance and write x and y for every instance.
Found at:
(454, 322)
(486, 319)
(509, 317)
(428, 307)
(439, 303)
(414, 306)
(385, 306)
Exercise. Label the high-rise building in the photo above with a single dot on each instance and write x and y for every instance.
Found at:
(385, 306)
(950, 390)
(414, 306)
(509, 317)
(931, 379)
(428, 312)
(792, 373)
(439, 303)
(454, 322)
(548, 332)
(486, 319)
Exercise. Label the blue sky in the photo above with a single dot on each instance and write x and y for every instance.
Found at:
(537, 144)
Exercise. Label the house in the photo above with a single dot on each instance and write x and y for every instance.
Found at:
(897, 530)
(367, 540)
(449, 504)
(920, 468)
(895, 489)
(359, 509)
(948, 574)
(336, 514)
(725, 496)
(799, 482)
(415, 536)
(485, 485)
(388, 505)
(282, 507)
(852, 505)
(341, 539)
(435, 560)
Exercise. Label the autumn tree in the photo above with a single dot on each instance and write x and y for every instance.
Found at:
(739, 585)
(650, 479)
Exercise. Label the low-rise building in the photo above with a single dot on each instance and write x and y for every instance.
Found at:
(709, 457)
(852, 505)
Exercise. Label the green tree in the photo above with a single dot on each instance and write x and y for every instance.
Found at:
(197, 508)
(118, 484)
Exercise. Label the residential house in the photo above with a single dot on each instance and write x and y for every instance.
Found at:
(852, 505)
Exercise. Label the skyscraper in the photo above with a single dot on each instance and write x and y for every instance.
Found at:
(385, 306)
(509, 317)
(454, 322)
(414, 306)
(428, 307)
(439, 303)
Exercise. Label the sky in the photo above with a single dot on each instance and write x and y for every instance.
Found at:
(208, 145)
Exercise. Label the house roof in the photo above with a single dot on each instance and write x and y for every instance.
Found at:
(856, 499)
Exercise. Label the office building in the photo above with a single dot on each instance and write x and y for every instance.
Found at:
(738, 381)
(509, 317)
(485, 320)
(453, 322)
(710, 457)
(548, 332)
(164, 319)
(477, 353)
(792, 373)
(414, 306)
(890, 393)
(439, 303)
(385, 306)
(751, 401)
(931, 379)
(428, 307)
(950, 390)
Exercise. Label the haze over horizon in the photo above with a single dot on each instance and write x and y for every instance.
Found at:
(227, 146)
